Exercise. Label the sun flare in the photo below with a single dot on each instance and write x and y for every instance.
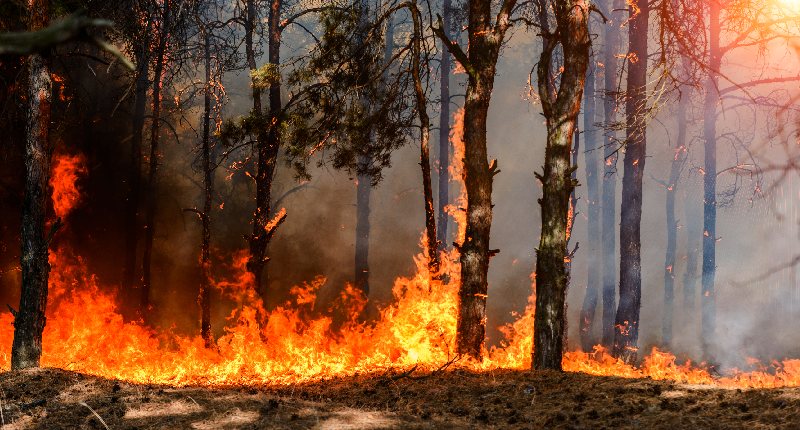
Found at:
(789, 6)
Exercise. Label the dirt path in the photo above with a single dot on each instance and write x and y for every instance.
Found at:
(50, 399)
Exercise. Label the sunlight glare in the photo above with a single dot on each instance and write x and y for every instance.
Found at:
(790, 6)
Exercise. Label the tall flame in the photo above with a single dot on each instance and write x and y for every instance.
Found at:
(66, 171)
(456, 171)
(86, 333)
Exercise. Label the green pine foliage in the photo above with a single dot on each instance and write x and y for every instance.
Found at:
(349, 110)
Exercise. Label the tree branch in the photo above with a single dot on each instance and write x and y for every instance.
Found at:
(72, 27)
(453, 48)
(736, 87)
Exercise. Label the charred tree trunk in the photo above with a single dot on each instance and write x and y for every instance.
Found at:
(132, 225)
(609, 202)
(266, 138)
(444, 130)
(485, 38)
(424, 143)
(694, 233)
(364, 181)
(29, 321)
(672, 223)
(150, 211)
(708, 297)
(573, 196)
(592, 157)
(474, 251)
(630, 273)
(363, 193)
(204, 296)
(274, 133)
(268, 143)
(561, 108)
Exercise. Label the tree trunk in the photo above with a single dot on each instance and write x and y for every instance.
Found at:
(364, 180)
(363, 192)
(630, 273)
(561, 110)
(256, 242)
(477, 177)
(132, 225)
(474, 258)
(29, 321)
(708, 311)
(204, 296)
(694, 233)
(152, 201)
(425, 156)
(592, 157)
(672, 223)
(480, 62)
(609, 202)
(444, 131)
(268, 143)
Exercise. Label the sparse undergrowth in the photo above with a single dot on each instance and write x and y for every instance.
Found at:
(50, 398)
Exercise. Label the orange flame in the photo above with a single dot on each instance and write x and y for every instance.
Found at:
(457, 210)
(67, 169)
(86, 333)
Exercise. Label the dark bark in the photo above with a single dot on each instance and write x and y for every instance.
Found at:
(30, 319)
(363, 193)
(708, 296)
(268, 143)
(475, 249)
(694, 233)
(630, 272)
(152, 178)
(592, 160)
(132, 223)
(609, 202)
(204, 294)
(444, 130)
(480, 62)
(424, 142)
(257, 258)
(363, 180)
(561, 109)
(672, 223)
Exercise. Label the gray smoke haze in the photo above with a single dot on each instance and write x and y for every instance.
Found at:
(754, 318)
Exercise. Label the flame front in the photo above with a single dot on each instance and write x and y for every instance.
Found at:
(86, 333)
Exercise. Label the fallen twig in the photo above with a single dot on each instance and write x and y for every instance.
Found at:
(95, 414)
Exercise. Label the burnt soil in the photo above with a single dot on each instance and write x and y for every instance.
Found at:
(49, 399)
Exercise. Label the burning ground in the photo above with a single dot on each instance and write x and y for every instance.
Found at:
(398, 372)
(52, 398)
(297, 365)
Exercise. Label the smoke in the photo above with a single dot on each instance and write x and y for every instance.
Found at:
(753, 318)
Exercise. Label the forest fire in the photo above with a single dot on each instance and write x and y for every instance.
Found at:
(87, 333)
(274, 214)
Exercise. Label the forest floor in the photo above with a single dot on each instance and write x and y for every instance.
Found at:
(51, 399)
